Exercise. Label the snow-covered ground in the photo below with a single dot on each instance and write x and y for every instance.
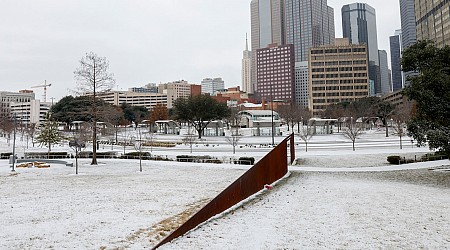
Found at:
(334, 198)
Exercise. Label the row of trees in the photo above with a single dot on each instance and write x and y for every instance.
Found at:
(428, 119)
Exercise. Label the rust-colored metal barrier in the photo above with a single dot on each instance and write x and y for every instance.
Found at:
(268, 170)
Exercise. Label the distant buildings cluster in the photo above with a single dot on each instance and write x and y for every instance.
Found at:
(295, 56)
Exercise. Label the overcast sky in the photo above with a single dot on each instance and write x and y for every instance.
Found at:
(144, 40)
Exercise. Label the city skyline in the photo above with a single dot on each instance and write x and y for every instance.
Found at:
(143, 41)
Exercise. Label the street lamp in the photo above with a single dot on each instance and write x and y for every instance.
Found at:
(77, 145)
(271, 107)
(14, 145)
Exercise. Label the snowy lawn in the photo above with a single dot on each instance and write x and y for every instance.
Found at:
(335, 198)
(110, 205)
(390, 210)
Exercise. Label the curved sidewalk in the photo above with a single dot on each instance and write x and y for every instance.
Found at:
(418, 165)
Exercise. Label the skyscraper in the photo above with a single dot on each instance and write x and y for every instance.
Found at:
(302, 23)
(267, 27)
(396, 49)
(408, 23)
(359, 25)
(246, 69)
(309, 23)
(384, 73)
(275, 72)
(433, 21)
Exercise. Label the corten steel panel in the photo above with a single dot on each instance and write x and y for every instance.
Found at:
(268, 170)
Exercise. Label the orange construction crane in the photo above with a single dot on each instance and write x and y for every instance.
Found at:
(45, 85)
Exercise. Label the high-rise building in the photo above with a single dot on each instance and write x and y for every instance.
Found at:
(433, 21)
(359, 25)
(308, 24)
(301, 83)
(275, 73)
(384, 73)
(396, 53)
(303, 23)
(212, 85)
(267, 27)
(247, 69)
(337, 73)
(408, 23)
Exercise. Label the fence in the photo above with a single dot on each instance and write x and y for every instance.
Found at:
(268, 170)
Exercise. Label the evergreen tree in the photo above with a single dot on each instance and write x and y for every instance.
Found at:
(430, 89)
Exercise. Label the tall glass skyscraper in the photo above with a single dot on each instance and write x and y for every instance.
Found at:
(302, 23)
(359, 25)
(396, 49)
(309, 23)
(267, 27)
(408, 23)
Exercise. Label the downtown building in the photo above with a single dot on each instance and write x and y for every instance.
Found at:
(276, 73)
(246, 70)
(302, 23)
(7, 98)
(359, 25)
(433, 21)
(29, 113)
(395, 43)
(409, 33)
(337, 73)
(212, 85)
(146, 99)
(385, 73)
(408, 23)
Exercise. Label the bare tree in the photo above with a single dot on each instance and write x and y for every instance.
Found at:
(138, 144)
(401, 115)
(305, 134)
(288, 113)
(190, 138)
(302, 116)
(353, 131)
(233, 139)
(92, 76)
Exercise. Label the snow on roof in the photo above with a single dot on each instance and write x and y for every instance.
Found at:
(250, 105)
(260, 112)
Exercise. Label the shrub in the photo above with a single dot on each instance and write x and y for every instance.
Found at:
(5, 156)
(215, 161)
(135, 155)
(246, 160)
(394, 159)
(185, 158)
(434, 157)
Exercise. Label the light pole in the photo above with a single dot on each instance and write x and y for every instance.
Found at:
(77, 145)
(14, 145)
(271, 107)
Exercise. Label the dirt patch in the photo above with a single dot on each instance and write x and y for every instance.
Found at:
(159, 231)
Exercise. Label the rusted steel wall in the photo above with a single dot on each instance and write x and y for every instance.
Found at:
(268, 170)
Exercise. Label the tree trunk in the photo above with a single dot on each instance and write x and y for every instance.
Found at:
(306, 143)
(353, 142)
(401, 146)
(387, 132)
(200, 131)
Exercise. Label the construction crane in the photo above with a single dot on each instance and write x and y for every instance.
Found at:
(45, 85)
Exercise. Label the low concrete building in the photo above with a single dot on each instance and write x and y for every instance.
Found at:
(261, 122)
